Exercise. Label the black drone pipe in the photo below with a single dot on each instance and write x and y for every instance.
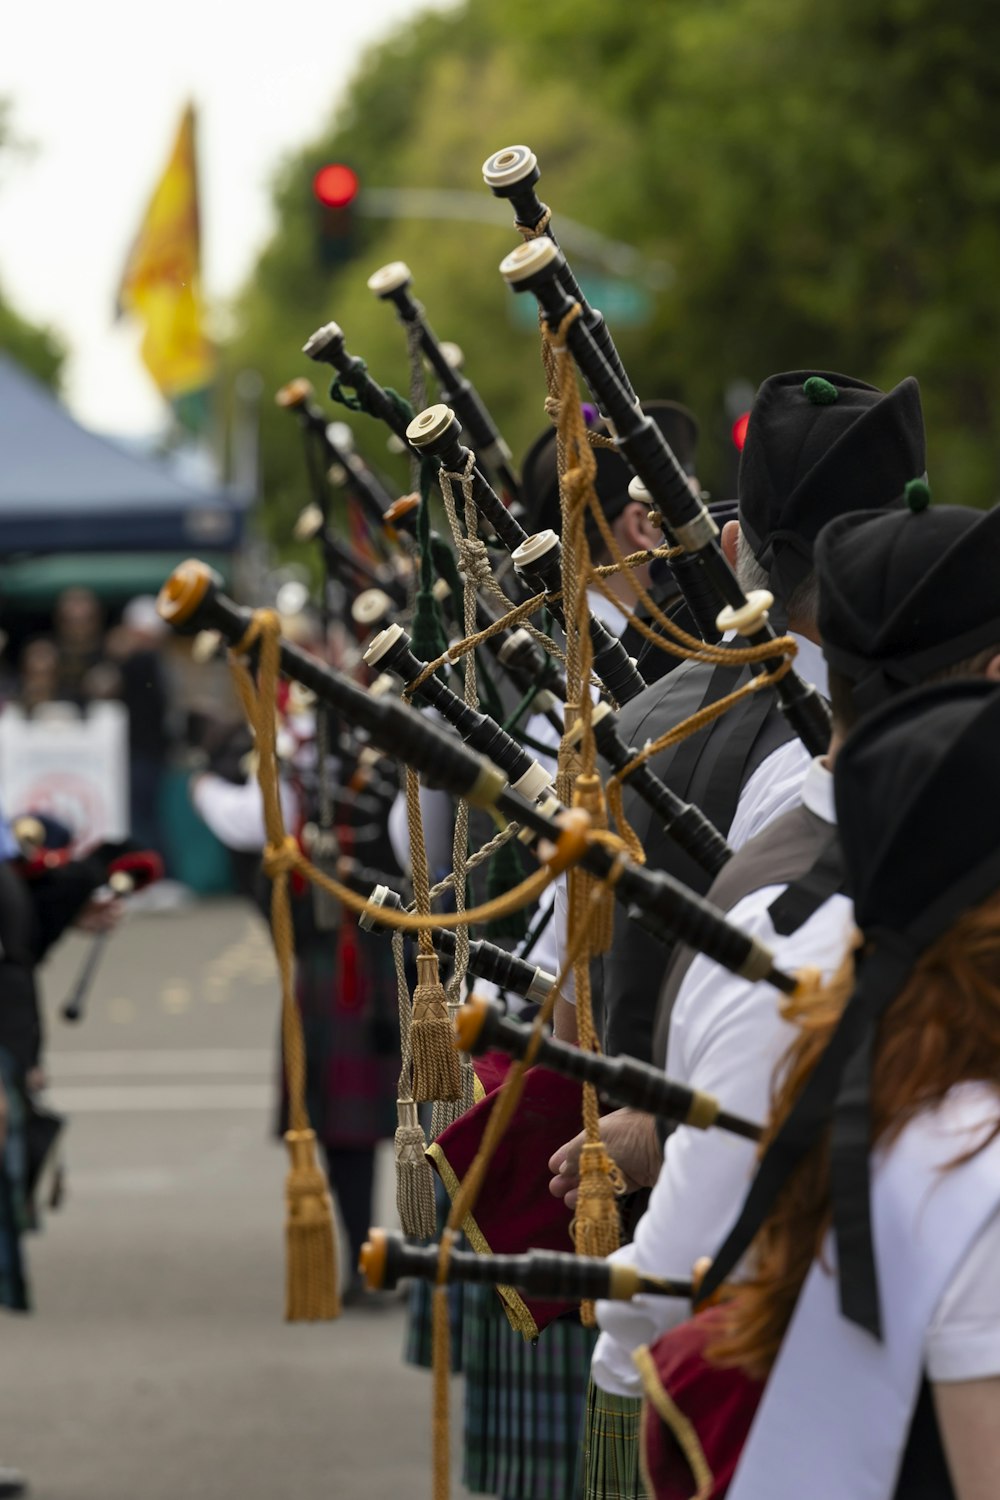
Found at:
(392, 283)
(192, 600)
(529, 669)
(437, 432)
(363, 483)
(344, 558)
(391, 650)
(512, 174)
(556, 1275)
(533, 267)
(481, 1026)
(686, 824)
(486, 960)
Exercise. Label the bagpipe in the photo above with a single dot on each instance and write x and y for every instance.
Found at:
(387, 1259)
(392, 283)
(492, 594)
(126, 874)
(192, 600)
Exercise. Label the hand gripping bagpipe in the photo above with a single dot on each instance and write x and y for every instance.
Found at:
(126, 874)
(191, 600)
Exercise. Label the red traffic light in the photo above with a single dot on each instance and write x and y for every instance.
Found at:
(739, 431)
(335, 185)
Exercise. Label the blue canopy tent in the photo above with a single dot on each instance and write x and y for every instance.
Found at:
(67, 491)
(78, 509)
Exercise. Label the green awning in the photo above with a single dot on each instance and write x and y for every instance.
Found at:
(115, 577)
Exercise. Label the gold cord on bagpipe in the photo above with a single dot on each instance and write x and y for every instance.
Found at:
(432, 1069)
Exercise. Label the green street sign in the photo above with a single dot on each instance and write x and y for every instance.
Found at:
(624, 304)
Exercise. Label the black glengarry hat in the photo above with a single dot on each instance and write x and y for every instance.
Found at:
(819, 444)
(540, 477)
(907, 594)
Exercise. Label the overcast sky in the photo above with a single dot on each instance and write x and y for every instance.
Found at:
(98, 89)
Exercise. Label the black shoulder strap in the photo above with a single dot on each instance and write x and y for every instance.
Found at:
(722, 681)
(739, 731)
(804, 897)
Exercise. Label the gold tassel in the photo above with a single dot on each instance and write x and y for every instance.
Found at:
(596, 1228)
(447, 1111)
(312, 1284)
(600, 916)
(414, 1175)
(436, 1071)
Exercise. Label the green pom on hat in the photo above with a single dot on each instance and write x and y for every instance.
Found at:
(917, 494)
(819, 391)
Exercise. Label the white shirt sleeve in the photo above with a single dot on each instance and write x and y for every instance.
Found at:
(774, 788)
(725, 1038)
(235, 814)
(963, 1341)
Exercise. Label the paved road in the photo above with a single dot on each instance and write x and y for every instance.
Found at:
(157, 1365)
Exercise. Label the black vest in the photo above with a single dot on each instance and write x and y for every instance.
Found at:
(710, 769)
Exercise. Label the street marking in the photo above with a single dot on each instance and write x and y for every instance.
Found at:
(175, 996)
(161, 1061)
(153, 1098)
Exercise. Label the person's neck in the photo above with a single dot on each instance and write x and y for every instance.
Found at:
(806, 629)
(622, 587)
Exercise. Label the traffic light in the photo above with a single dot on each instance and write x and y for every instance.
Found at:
(334, 190)
(738, 431)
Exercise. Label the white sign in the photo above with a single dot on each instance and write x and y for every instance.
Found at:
(71, 765)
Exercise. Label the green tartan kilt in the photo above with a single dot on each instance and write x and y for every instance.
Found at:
(611, 1447)
(418, 1348)
(523, 1403)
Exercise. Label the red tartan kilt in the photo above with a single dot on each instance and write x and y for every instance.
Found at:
(695, 1417)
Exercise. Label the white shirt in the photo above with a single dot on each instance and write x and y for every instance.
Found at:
(775, 786)
(235, 814)
(725, 1037)
(547, 951)
(773, 789)
(834, 1417)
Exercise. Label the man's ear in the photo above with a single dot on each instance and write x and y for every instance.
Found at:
(730, 540)
(992, 669)
(634, 530)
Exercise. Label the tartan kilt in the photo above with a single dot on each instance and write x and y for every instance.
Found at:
(345, 985)
(612, 1469)
(14, 1216)
(419, 1328)
(524, 1403)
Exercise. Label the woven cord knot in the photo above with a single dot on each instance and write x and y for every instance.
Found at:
(312, 1283)
(281, 859)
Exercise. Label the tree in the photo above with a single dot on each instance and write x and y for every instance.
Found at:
(38, 349)
(822, 182)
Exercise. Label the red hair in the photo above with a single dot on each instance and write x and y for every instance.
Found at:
(942, 1029)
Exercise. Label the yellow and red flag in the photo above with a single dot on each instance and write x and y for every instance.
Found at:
(161, 282)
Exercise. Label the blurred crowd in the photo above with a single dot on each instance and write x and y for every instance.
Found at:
(92, 655)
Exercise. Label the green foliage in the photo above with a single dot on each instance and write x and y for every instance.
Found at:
(37, 349)
(823, 181)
